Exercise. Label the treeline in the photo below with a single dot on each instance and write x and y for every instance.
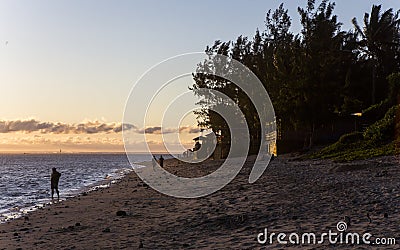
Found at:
(315, 76)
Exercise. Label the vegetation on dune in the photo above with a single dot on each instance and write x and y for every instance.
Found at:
(380, 138)
(383, 130)
(377, 140)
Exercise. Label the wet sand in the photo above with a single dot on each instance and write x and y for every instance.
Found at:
(292, 196)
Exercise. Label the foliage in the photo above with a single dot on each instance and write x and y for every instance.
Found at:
(376, 111)
(312, 76)
(356, 151)
(394, 88)
(378, 139)
(379, 45)
(351, 138)
(383, 130)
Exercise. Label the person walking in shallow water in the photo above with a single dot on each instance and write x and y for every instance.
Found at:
(55, 177)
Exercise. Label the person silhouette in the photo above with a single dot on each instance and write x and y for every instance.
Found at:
(55, 177)
(161, 161)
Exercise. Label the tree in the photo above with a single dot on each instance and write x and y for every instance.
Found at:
(311, 77)
(379, 43)
(322, 66)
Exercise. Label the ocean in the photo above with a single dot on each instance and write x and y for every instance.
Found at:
(25, 178)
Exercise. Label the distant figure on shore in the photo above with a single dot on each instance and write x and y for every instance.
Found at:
(161, 161)
(197, 146)
(154, 162)
(55, 177)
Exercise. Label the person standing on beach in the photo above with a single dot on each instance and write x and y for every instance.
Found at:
(161, 161)
(55, 177)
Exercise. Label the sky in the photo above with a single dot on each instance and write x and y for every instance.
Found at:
(74, 62)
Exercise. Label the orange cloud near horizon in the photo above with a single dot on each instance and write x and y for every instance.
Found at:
(92, 136)
(90, 127)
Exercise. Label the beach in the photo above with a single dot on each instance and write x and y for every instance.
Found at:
(292, 196)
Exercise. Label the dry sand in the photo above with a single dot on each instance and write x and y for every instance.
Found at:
(291, 196)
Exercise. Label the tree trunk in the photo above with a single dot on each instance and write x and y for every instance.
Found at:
(373, 82)
(311, 143)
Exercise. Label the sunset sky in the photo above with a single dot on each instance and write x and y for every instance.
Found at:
(67, 67)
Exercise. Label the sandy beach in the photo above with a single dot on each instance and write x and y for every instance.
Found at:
(292, 196)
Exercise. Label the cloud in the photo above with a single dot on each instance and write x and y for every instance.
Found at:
(153, 130)
(158, 130)
(89, 127)
(190, 130)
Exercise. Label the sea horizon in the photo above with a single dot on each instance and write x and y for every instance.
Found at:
(83, 152)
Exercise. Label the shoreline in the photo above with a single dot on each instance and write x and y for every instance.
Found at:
(12, 214)
(292, 196)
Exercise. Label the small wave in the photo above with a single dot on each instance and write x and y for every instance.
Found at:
(27, 188)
